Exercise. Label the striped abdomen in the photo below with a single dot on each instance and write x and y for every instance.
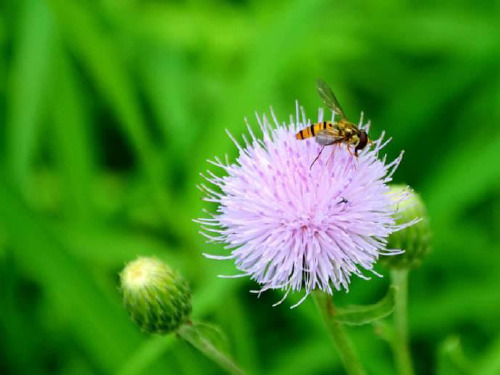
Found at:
(313, 129)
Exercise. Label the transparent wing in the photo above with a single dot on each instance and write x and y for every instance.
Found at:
(329, 98)
(328, 136)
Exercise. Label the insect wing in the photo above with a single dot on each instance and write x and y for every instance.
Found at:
(328, 136)
(328, 97)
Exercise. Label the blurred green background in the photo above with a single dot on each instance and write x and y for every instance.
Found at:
(109, 110)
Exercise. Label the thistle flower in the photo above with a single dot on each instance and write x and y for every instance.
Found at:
(292, 227)
(157, 298)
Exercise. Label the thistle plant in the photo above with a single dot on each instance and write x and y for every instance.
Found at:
(292, 227)
(415, 240)
(158, 300)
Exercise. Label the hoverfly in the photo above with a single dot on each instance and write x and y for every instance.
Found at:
(332, 133)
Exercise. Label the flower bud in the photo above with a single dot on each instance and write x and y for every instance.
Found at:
(157, 298)
(414, 239)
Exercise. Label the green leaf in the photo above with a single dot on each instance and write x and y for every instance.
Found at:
(72, 143)
(441, 190)
(490, 362)
(297, 360)
(147, 354)
(29, 78)
(107, 66)
(167, 89)
(359, 315)
(98, 323)
(202, 338)
(114, 246)
(451, 359)
(245, 343)
(214, 334)
(384, 330)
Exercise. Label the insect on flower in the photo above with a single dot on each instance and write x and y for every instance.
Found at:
(332, 133)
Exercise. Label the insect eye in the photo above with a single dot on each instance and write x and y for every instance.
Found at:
(363, 139)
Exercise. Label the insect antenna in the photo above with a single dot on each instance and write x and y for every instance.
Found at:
(317, 157)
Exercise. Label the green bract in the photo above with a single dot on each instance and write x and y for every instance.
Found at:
(157, 298)
(415, 239)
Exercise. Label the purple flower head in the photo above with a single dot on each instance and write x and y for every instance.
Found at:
(292, 227)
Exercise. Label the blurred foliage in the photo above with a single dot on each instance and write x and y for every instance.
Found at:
(109, 110)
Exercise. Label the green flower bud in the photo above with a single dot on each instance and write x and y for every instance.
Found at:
(157, 298)
(415, 239)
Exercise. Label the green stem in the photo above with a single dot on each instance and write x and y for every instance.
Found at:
(400, 343)
(335, 328)
(196, 338)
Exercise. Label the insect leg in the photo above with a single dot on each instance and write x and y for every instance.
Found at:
(349, 150)
(317, 157)
(355, 160)
(335, 146)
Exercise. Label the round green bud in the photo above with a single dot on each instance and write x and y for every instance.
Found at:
(415, 239)
(157, 298)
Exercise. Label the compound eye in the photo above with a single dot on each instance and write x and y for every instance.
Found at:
(363, 140)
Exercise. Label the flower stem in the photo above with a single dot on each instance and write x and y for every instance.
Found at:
(400, 344)
(197, 339)
(344, 347)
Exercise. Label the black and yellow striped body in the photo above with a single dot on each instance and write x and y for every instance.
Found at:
(328, 133)
(314, 129)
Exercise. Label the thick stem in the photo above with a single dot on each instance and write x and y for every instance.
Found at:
(196, 338)
(344, 347)
(400, 344)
